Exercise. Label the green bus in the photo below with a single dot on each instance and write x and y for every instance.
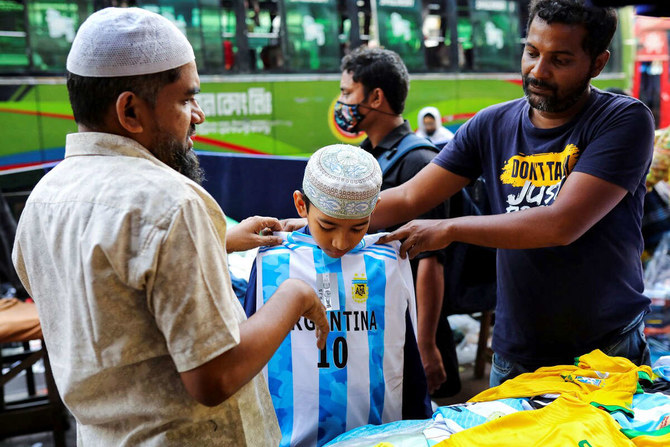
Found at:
(270, 68)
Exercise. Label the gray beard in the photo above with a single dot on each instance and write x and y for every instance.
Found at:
(553, 104)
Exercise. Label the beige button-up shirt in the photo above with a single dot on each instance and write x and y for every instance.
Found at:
(126, 261)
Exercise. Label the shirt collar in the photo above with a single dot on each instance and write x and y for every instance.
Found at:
(391, 140)
(99, 143)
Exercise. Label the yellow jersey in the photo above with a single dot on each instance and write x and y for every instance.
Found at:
(568, 421)
(606, 382)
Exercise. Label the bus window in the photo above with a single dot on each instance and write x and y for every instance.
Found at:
(496, 44)
(312, 28)
(437, 35)
(214, 47)
(13, 44)
(229, 35)
(52, 26)
(263, 22)
(399, 23)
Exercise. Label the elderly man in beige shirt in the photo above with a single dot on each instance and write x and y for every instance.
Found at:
(125, 255)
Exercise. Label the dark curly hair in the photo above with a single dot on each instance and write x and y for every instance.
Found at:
(600, 23)
(379, 68)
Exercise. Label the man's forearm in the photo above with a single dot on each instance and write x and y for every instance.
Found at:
(536, 228)
(263, 332)
(430, 187)
(392, 209)
(583, 201)
(260, 336)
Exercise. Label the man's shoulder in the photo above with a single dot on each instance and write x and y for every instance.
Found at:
(512, 108)
(615, 114)
(160, 188)
(497, 118)
(421, 153)
(416, 141)
(615, 102)
(135, 185)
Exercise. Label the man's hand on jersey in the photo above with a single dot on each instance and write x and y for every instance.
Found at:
(420, 235)
(432, 365)
(312, 309)
(293, 224)
(253, 232)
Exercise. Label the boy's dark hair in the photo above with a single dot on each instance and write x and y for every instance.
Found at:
(91, 97)
(600, 23)
(306, 200)
(379, 68)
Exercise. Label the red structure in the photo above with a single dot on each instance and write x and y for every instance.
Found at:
(651, 83)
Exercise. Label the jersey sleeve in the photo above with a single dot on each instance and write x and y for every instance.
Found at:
(413, 162)
(192, 299)
(622, 147)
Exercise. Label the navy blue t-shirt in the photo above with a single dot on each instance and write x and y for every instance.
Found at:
(561, 302)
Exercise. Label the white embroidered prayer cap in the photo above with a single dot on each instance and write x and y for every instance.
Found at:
(115, 42)
(342, 181)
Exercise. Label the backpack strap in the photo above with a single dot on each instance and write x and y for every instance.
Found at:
(410, 142)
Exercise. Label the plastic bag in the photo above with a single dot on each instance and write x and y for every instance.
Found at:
(466, 349)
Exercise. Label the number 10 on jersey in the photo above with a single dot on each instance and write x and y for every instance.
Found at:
(340, 354)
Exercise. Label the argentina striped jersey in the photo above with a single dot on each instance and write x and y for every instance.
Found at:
(358, 378)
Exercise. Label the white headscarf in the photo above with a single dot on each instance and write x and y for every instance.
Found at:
(442, 134)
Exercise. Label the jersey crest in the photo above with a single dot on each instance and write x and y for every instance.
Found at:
(359, 288)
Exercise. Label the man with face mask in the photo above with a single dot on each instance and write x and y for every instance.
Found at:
(124, 254)
(565, 170)
(373, 89)
(430, 126)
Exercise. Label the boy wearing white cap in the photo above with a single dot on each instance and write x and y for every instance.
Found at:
(369, 295)
(126, 257)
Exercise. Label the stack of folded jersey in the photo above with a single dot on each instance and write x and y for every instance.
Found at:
(600, 400)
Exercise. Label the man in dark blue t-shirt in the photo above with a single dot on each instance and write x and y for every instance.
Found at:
(565, 170)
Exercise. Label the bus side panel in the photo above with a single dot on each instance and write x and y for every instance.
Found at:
(35, 119)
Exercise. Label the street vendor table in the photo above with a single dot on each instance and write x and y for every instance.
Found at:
(19, 324)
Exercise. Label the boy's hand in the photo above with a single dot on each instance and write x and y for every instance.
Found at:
(253, 232)
(418, 236)
(312, 309)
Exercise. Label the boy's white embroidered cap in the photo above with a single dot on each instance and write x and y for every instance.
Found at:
(343, 181)
(116, 42)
